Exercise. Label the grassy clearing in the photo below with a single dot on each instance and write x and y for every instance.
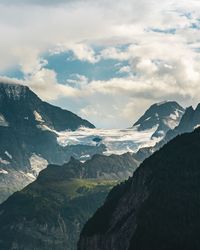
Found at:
(78, 187)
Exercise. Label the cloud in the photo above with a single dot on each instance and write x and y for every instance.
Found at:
(36, 2)
(81, 51)
(44, 83)
(4, 79)
(157, 40)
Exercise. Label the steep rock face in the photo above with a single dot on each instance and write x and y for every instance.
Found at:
(28, 137)
(161, 116)
(189, 121)
(158, 208)
(50, 212)
(20, 107)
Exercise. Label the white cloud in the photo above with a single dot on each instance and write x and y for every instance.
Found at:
(125, 69)
(45, 84)
(161, 65)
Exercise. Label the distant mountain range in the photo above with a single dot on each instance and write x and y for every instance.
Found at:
(29, 131)
(50, 212)
(158, 208)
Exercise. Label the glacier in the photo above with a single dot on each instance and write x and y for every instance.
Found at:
(117, 141)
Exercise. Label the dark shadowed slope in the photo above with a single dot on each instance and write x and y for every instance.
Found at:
(157, 209)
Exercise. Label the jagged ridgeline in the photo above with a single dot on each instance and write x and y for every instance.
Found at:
(163, 116)
(157, 209)
(50, 213)
(188, 122)
(28, 137)
(30, 130)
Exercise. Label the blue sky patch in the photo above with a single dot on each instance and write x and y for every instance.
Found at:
(66, 66)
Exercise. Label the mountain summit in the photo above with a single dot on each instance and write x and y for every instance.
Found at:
(161, 116)
(28, 132)
(19, 106)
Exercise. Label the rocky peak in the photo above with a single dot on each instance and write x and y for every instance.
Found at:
(189, 121)
(13, 91)
(161, 116)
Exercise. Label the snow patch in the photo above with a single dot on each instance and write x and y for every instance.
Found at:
(176, 115)
(3, 122)
(37, 164)
(38, 117)
(9, 155)
(2, 171)
(171, 123)
(148, 119)
(197, 126)
(4, 162)
(85, 156)
(173, 120)
(44, 127)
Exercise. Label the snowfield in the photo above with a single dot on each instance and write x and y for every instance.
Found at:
(117, 141)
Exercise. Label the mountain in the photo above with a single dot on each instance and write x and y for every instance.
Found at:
(161, 116)
(29, 130)
(50, 212)
(20, 107)
(189, 121)
(158, 208)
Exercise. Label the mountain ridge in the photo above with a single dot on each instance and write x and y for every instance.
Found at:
(157, 208)
(18, 93)
(28, 137)
(50, 212)
(189, 121)
(163, 116)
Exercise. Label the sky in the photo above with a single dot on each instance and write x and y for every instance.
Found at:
(105, 60)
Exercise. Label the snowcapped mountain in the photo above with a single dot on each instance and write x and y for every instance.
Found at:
(20, 107)
(161, 116)
(189, 122)
(146, 132)
(28, 134)
(34, 133)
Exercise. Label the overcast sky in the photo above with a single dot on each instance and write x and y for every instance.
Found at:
(105, 60)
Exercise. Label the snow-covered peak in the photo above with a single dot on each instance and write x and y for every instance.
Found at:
(165, 115)
(13, 91)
